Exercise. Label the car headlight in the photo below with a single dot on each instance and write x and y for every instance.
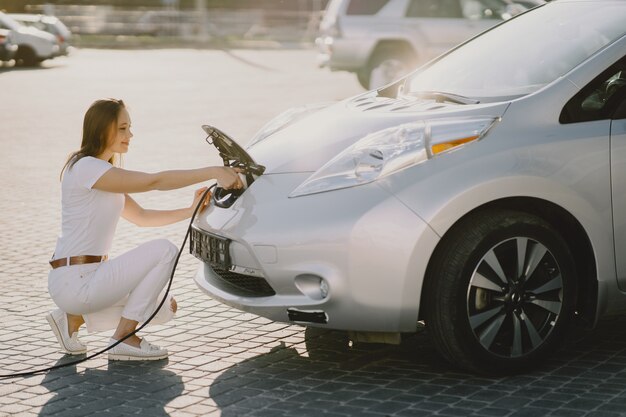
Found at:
(387, 151)
(283, 120)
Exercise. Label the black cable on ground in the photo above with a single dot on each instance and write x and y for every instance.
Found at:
(169, 285)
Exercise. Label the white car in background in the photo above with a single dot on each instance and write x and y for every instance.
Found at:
(50, 24)
(382, 40)
(487, 198)
(33, 45)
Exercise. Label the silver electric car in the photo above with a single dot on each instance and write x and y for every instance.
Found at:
(483, 194)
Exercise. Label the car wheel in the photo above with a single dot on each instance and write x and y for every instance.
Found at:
(386, 66)
(26, 57)
(501, 292)
(363, 76)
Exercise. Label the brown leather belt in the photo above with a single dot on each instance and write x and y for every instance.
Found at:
(77, 260)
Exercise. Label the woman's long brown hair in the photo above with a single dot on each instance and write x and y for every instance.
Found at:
(99, 122)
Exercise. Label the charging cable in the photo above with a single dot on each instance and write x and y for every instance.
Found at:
(169, 285)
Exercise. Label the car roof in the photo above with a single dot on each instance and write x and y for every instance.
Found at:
(34, 17)
(24, 16)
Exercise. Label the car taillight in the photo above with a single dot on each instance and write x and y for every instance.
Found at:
(3, 39)
(60, 38)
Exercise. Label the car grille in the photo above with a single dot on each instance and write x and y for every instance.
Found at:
(245, 285)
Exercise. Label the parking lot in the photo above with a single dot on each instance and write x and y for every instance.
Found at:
(222, 361)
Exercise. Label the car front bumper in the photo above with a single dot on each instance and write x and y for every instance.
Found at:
(368, 248)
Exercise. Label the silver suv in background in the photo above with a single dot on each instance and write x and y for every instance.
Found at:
(34, 45)
(50, 24)
(381, 40)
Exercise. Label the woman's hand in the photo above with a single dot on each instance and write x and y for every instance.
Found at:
(228, 177)
(117, 180)
(196, 199)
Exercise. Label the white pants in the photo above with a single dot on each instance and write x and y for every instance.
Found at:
(127, 286)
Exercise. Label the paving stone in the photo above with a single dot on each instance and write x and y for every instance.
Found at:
(530, 412)
(454, 411)
(461, 390)
(488, 395)
(470, 404)
(605, 414)
(388, 407)
(513, 403)
(346, 410)
(612, 408)
(14, 408)
(489, 411)
(567, 413)
(445, 399)
(267, 413)
(430, 406)
(409, 412)
(583, 404)
(199, 409)
(284, 405)
(363, 403)
(256, 403)
(545, 404)
(409, 398)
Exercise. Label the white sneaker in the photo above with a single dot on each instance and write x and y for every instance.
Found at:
(69, 344)
(145, 352)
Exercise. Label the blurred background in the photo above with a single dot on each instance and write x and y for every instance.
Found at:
(376, 40)
(109, 23)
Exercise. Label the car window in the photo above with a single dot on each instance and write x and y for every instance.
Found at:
(525, 53)
(603, 98)
(434, 8)
(478, 9)
(365, 7)
(7, 22)
(36, 25)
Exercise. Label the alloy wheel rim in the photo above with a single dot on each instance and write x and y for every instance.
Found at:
(515, 297)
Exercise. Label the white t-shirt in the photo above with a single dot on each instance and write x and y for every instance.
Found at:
(89, 216)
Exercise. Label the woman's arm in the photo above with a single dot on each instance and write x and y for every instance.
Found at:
(117, 180)
(136, 214)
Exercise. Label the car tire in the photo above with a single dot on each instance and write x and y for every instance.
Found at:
(386, 65)
(363, 76)
(490, 313)
(26, 57)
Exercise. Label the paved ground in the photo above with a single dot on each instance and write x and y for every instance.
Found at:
(222, 362)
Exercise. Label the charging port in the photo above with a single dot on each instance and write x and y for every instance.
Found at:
(233, 156)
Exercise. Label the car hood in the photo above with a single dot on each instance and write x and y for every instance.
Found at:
(309, 143)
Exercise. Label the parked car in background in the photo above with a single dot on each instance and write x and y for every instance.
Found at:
(33, 45)
(7, 47)
(486, 198)
(50, 24)
(381, 40)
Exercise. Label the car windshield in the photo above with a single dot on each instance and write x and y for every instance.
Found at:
(525, 53)
(9, 22)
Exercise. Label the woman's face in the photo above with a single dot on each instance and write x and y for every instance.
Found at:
(121, 134)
